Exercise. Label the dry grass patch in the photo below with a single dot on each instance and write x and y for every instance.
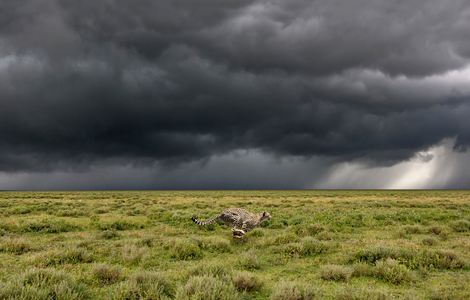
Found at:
(15, 245)
(146, 285)
(207, 288)
(461, 226)
(249, 260)
(184, 249)
(132, 254)
(429, 241)
(214, 244)
(70, 255)
(336, 272)
(210, 269)
(246, 281)
(355, 293)
(43, 284)
(288, 290)
(107, 274)
(393, 272)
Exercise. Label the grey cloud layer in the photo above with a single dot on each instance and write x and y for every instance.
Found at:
(177, 81)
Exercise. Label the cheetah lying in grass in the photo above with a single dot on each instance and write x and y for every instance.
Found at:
(239, 219)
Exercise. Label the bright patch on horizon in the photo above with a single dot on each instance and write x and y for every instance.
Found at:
(432, 168)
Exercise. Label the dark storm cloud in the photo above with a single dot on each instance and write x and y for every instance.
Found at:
(151, 82)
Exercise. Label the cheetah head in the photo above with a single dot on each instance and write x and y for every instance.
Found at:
(265, 216)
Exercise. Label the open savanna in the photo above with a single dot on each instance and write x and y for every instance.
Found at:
(318, 245)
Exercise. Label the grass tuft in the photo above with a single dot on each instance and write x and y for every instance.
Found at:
(461, 226)
(119, 225)
(132, 254)
(336, 272)
(355, 293)
(393, 272)
(214, 244)
(15, 245)
(442, 259)
(107, 274)
(309, 246)
(436, 230)
(288, 290)
(207, 288)
(246, 281)
(48, 226)
(212, 269)
(146, 285)
(308, 229)
(413, 229)
(185, 250)
(108, 234)
(429, 241)
(249, 260)
(439, 259)
(43, 284)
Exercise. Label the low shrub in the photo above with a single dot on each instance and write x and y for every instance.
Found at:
(64, 256)
(185, 250)
(372, 255)
(15, 245)
(292, 249)
(132, 254)
(119, 225)
(48, 226)
(283, 238)
(107, 274)
(257, 232)
(249, 260)
(350, 293)
(308, 229)
(309, 246)
(288, 290)
(146, 285)
(312, 246)
(443, 293)
(43, 284)
(362, 269)
(274, 224)
(146, 241)
(413, 229)
(215, 244)
(246, 281)
(441, 259)
(436, 230)
(392, 271)
(211, 269)
(460, 225)
(429, 241)
(70, 213)
(7, 227)
(108, 234)
(207, 288)
(336, 272)
(325, 236)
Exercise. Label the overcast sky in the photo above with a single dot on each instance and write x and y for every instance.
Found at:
(234, 94)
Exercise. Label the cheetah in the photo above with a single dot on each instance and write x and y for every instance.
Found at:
(239, 219)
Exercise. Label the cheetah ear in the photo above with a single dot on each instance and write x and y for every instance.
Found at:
(264, 214)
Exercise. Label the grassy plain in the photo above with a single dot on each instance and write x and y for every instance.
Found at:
(318, 245)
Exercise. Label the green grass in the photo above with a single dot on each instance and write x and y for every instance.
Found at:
(318, 245)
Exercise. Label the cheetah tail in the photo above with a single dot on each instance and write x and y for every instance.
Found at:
(203, 223)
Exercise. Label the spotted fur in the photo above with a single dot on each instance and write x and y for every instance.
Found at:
(240, 220)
